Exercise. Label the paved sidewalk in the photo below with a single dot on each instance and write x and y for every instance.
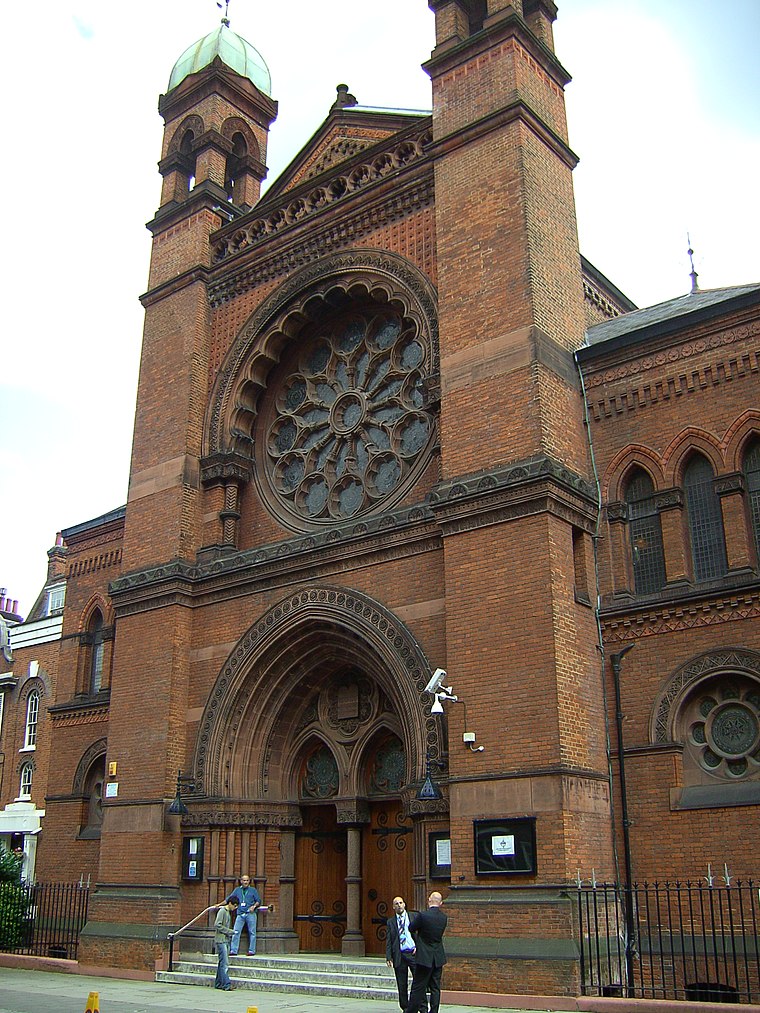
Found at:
(26, 991)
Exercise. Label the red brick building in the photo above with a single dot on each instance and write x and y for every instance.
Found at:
(362, 453)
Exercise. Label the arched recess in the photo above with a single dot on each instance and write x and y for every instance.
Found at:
(190, 128)
(331, 283)
(678, 685)
(288, 681)
(690, 441)
(89, 780)
(625, 461)
(745, 429)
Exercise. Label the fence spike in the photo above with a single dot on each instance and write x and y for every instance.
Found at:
(726, 875)
(709, 877)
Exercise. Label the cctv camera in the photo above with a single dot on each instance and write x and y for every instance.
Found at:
(435, 681)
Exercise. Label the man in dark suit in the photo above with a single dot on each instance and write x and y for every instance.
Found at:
(427, 929)
(400, 948)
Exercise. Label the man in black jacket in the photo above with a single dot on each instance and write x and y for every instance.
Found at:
(400, 948)
(428, 929)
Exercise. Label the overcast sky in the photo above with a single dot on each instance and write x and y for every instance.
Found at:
(664, 112)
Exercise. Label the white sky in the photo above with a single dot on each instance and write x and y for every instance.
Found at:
(664, 112)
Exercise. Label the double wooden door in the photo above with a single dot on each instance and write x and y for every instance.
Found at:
(320, 870)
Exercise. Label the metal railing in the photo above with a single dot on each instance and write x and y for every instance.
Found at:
(42, 919)
(690, 941)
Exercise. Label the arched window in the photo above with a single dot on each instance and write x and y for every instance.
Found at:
(752, 479)
(234, 161)
(25, 787)
(708, 547)
(645, 530)
(32, 716)
(95, 637)
(186, 147)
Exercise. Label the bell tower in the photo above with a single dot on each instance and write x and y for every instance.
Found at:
(217, 112)
(517, 506)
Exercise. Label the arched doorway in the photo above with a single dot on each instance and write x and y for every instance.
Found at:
(317, 728)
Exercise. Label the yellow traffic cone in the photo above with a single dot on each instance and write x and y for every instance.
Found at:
(93, 1003)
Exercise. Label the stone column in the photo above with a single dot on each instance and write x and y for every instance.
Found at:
(670, 503)
(353, 940)
(730, 489)
(617, 519)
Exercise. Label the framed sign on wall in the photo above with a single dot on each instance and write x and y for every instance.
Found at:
(439, 847)
(192, 859)
(505, 846)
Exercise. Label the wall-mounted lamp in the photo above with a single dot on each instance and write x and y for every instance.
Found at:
(429, 790)
(178, 807)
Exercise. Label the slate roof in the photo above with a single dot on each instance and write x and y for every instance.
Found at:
(671, 315)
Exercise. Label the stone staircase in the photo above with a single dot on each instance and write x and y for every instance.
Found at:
(307, 974)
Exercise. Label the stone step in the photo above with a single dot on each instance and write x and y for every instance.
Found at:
(355, 965)
(264, 984)
(361, 977)
(304, 975)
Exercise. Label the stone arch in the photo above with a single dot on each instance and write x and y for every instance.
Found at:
(235, 125)
(103, 605)
(619, 469)
(744, 429)
(308, 746)
(260, 702)
(689, 442)
(682, 681)
(192, 123)
(367, 753)
(89, 756)
(387, 278)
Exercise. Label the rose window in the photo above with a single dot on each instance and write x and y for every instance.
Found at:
(725, 731)
(344, 428)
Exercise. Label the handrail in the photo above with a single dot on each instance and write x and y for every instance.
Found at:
(171, 936)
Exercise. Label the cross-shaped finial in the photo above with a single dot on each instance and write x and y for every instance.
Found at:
(692, 274)
(226, 5)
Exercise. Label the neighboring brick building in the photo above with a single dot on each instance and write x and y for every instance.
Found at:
(361, 454)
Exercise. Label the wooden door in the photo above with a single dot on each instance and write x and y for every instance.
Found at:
(386, 869)
(320, 869)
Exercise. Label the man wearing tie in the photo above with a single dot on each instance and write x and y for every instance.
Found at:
(427, 929)
(400, 948)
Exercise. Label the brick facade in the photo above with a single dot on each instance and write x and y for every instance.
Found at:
(361, 453)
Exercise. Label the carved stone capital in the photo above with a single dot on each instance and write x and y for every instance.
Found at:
(617, 513)
(354, 812)
(669, 499)
(725, 485)
(225, 467)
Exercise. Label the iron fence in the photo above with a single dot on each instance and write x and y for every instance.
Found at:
(43, 919)
(688, 941)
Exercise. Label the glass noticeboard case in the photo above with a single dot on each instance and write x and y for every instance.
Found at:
(192, 859)
(505, 847)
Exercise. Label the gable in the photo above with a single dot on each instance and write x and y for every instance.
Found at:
(344, 134)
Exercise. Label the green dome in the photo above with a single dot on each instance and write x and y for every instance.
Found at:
(234, 52)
